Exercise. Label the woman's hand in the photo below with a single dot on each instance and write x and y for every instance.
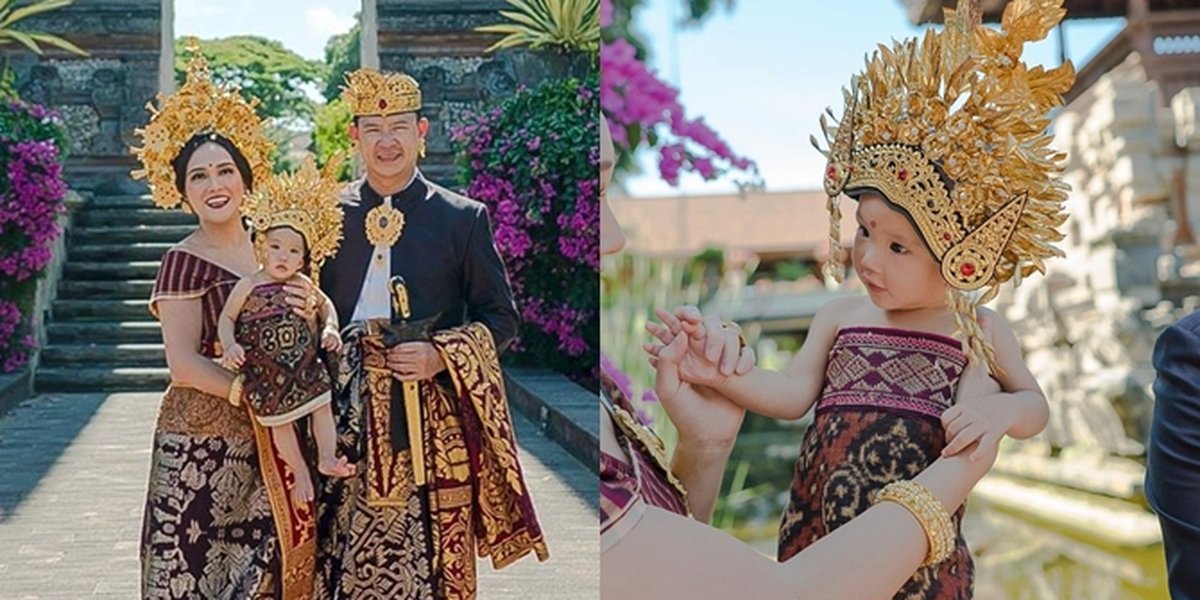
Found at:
(702, 415)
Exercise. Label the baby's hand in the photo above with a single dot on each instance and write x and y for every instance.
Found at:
(233, 357)
(985, 422)
(709, 359)
(331, 340)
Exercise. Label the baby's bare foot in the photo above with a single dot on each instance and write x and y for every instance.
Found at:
(302, 490)
(335, 467)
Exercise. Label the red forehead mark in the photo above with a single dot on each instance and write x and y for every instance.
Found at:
(872, 223)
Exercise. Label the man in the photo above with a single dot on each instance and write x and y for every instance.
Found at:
(1173, 454)
(426, 308)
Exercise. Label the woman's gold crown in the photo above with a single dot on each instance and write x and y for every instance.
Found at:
(308, 201)
(198, 106)
(368, 92)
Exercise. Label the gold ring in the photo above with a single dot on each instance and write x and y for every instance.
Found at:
(310, 303)
(738, 329)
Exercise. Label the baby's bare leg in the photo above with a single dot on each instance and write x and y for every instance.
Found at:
(328, 462)
(289, 451)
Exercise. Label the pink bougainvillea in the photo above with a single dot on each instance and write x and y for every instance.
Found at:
(31, 199)
(533, 161)
(643, 109)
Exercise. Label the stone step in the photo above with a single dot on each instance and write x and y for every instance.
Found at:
(124, 332)
(122, 201)
(110, 216)
(105, 290)
(109, 310)
(125, 355)
(92, 271)
(118, 252)
(132, 234)
(1098, 517)
(108, 379)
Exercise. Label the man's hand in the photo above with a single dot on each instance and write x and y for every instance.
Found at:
(414, 361)
(302, 296)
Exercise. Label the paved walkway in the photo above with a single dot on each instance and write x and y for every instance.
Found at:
(73, 472)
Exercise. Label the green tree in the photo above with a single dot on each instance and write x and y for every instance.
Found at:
(343, 54)
(262, 68)
(330, 135)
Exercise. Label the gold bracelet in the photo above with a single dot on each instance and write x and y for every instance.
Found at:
(235, 390)
(929, 512)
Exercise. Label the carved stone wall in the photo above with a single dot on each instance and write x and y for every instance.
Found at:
(1088, 327)
(435, 42)
(102, 97)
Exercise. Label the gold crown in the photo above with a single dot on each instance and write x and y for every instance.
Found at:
(952, 129)
(369, 92)
(308, 201)
(199, 106)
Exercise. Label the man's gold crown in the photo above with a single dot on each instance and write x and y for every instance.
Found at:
(199, 106)
(952, 129)
(308, 201)
(370, 93)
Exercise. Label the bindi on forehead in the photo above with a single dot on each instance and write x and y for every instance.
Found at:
(873, 223)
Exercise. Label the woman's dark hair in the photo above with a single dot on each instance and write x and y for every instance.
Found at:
(305, 268)
(181, 161)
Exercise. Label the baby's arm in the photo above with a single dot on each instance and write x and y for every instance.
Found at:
(788, 394)
(331, 339)
(1019, 410)
(1023, 397)
(231, 350)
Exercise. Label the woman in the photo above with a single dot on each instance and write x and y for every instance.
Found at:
(651, 549)
(217, 521)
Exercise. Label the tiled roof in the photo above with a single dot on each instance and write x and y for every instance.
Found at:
(794, 223)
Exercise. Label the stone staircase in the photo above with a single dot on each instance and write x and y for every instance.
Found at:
(101, 336)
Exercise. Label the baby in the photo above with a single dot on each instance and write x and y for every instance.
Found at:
(285, 378)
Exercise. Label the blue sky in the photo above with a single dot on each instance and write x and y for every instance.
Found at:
(762, 73)
(302, 25)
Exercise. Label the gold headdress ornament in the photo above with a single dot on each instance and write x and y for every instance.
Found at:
(369, 93)
(952, 129)
(308, 201)
(199, 106)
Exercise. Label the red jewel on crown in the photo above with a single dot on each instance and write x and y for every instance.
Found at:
(831, 172)
(967, 269)
(946, 236)
(903, 174)
(382, 104)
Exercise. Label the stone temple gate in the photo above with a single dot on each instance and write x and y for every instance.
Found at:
(91, 314)
(103, 97)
